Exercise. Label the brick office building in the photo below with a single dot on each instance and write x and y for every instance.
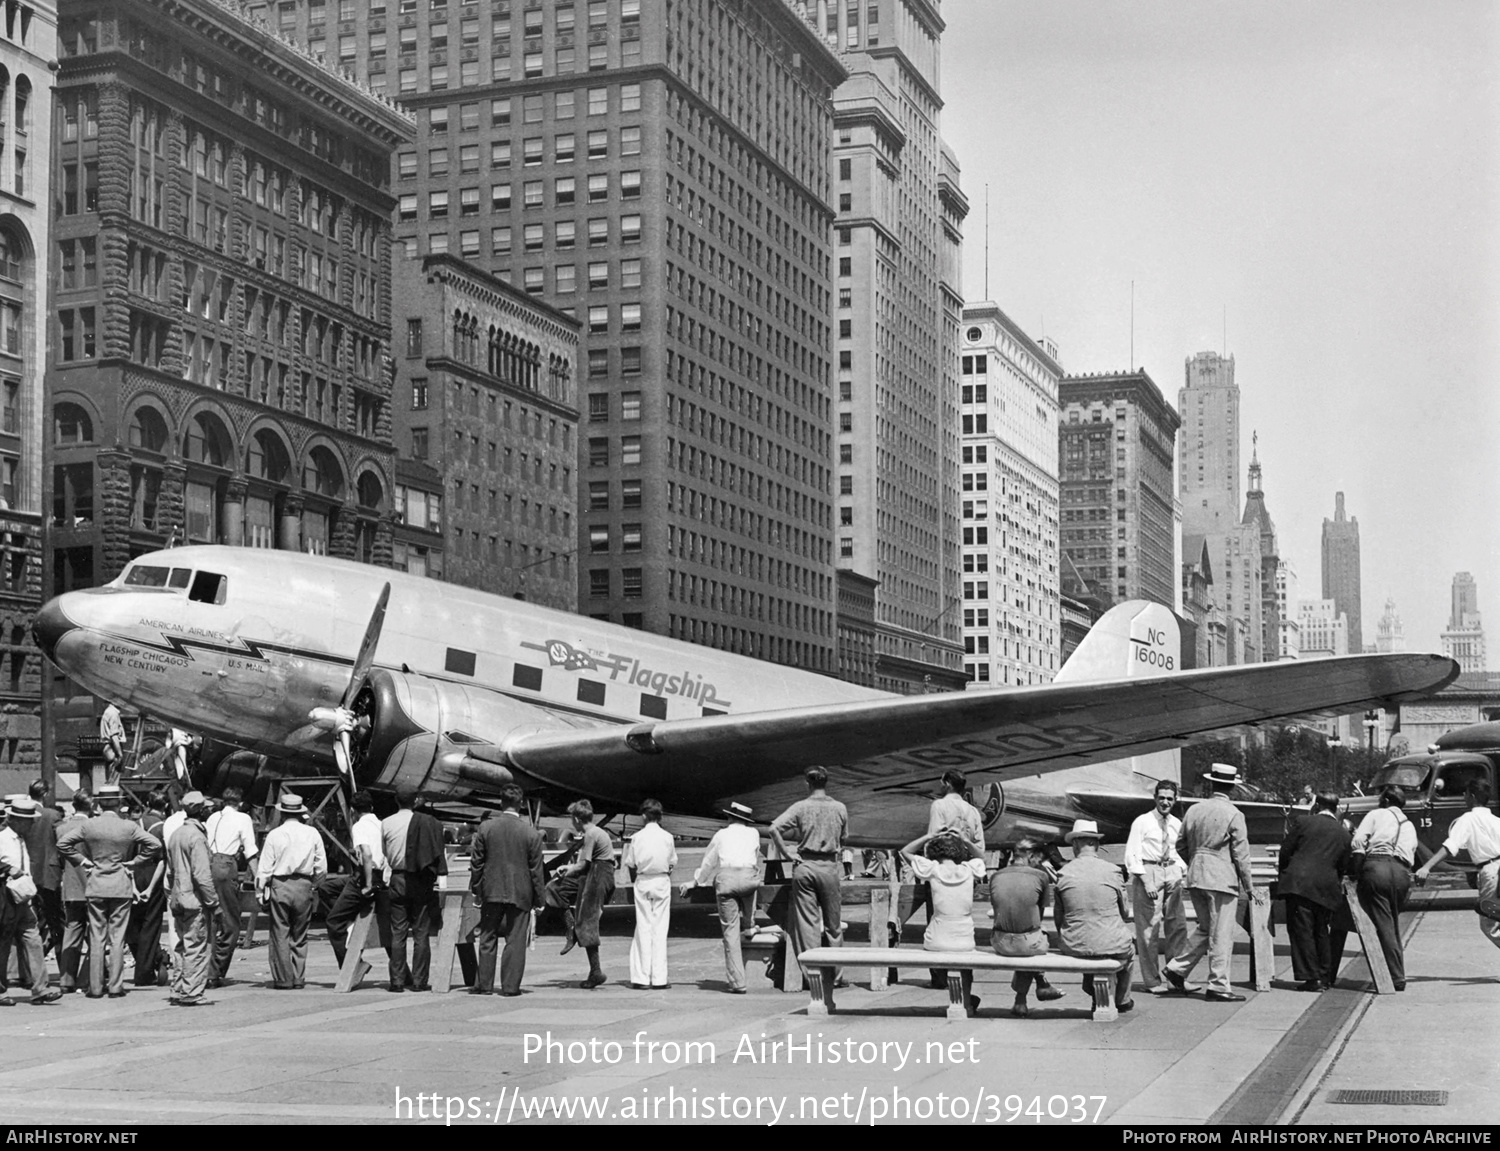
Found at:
(221, 303)
(486, 398)
(659, 169)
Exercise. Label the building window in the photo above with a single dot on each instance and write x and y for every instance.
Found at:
(630, 450)
(630, 537)
(599, 583)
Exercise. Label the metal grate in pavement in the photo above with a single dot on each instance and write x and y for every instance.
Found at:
(1391, 1098)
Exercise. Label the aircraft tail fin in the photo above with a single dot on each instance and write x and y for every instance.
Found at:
(1134, 638)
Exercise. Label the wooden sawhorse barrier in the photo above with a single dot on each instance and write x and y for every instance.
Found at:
(459, 919)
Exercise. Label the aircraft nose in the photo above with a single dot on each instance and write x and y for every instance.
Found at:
(49, 627)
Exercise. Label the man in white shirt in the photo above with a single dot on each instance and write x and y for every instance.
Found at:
(291, 862)
(733, 864)
(1476, 831)
(955, 812)
(359, 891)
(231, 842)
(649, 859)
(1156, 875)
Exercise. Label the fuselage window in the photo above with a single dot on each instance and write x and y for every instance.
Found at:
(209, 587)
(180, 577)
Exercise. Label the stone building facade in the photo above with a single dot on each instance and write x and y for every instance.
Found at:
(1117, 440)
(899, 310)
(487, 396)
(28, 47)
(1009, 408)
(220, 361)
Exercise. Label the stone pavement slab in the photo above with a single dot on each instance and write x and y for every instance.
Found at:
(1441, 1033)
(311, 1056)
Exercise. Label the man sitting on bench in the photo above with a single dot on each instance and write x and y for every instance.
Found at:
(1093, 918)
(1018, 894)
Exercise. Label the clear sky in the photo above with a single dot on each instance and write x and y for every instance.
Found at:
(1327, 174)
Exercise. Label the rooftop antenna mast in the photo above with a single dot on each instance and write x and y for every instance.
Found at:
(986, 241)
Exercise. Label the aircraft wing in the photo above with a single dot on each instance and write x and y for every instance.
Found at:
(899, 742)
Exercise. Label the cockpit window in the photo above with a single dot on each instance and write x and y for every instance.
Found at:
(209, 587)
(149, 575)
(145, 575)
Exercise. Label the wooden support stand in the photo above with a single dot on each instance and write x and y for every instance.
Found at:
(1262, 947)
(1370, 941)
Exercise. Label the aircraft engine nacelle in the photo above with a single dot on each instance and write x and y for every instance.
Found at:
(441, 738)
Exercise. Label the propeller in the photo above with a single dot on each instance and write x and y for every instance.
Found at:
(341, 718)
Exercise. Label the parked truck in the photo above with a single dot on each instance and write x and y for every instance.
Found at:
(1435, 782)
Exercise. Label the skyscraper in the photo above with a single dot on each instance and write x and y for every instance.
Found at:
(660, 171)
(1209, 406)
(1341, 569)
(1209, 488)
(899, 230)
(1463, 639)
(1010, 492)
(1116, 442)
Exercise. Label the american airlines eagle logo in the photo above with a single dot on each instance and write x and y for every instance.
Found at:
(569, 658)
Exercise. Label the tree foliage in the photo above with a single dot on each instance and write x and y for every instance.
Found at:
(1289, 762)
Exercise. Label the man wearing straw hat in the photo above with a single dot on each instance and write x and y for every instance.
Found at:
(1216, 844)
(292, 860)
(17, 912)
(1092, 911)
(733, 864)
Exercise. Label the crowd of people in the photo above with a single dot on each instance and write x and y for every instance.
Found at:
(102, 876)
(98, 877)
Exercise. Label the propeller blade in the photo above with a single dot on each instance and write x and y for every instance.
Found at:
(366, 658)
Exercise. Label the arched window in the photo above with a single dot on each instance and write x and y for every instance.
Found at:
(206, 442)
(322, 474)
(23, 104)
(148, 431)
(71, 425)
(370, 492)
(266, 458)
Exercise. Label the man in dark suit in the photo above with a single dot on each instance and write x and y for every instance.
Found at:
(1314, 855)
(505, 863)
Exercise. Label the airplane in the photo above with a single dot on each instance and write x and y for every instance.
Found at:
(317, 666)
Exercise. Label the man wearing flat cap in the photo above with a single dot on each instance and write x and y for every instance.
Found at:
(292, 860)
(193, 899)
(18, 923)
(1216, 844)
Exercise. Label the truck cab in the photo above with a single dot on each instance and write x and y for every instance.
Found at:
(1435, 782)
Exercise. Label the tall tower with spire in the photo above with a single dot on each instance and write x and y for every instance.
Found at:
(1260, 533)
(1389, 635)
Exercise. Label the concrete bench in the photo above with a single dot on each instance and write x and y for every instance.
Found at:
(818, 964)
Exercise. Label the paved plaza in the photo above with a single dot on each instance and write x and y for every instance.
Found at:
(313, 1056)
